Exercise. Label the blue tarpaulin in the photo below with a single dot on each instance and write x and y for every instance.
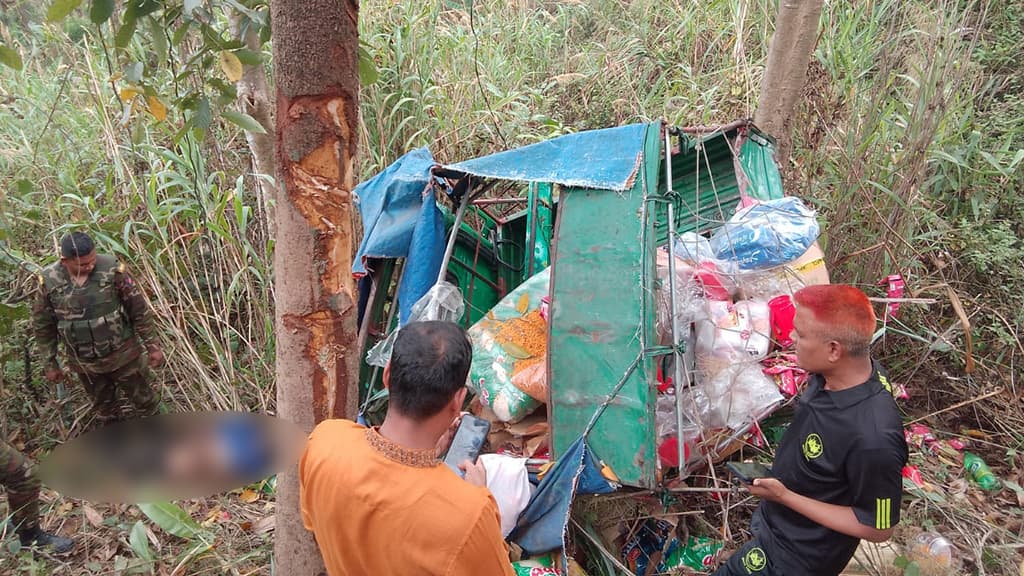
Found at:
(543, 524)
(401, 220)
(602, 159)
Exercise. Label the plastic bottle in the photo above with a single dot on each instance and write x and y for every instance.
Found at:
(930, 548)
(980, 472)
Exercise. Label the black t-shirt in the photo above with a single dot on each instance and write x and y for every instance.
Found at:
(845, 448)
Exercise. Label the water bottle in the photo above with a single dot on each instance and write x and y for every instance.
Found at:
(980, 472)
(931, 549)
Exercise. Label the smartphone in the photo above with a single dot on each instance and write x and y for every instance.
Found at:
(467, 442)
(747, 472)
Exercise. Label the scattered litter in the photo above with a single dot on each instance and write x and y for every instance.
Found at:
(930, 550)
(980, 473)
(895, 290)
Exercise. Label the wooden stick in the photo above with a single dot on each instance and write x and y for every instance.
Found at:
(601, 549)
(960, 405)
(924, 301)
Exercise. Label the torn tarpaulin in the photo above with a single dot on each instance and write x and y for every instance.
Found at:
(542, 525)
(401, 220)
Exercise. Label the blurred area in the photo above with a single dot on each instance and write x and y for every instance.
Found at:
(172, 457)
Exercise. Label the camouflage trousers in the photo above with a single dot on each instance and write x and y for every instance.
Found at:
(132, 380)
(17, 475)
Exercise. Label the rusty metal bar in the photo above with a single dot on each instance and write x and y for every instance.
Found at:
(492, 201)
(709, 129)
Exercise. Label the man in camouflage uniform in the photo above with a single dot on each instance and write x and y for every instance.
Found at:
(89, 303)
(17, 475)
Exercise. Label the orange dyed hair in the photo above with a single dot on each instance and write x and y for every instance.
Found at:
(844, 311)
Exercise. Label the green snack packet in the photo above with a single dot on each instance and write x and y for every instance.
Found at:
(699, 554)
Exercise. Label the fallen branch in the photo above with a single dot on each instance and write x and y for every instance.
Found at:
(995, 392)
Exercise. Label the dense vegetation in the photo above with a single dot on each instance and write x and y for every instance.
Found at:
(909, 140)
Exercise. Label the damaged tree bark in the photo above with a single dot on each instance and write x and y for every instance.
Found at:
(316, 72)
(789, 53)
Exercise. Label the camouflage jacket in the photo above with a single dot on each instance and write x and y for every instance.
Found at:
(97, 322)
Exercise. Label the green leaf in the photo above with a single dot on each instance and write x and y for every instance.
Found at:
(133, 72)
(10, 57)
(140, 544)
(171, 518)
(227, 90)
(25, 186)
(367, 67)
(203, 116)
(191, 5)
(146, 7)
(101, 10)
(1013, 486)
(179, 34)
(159, 37)
(60, 9)
(249, 57)
(127, 29)
(244, 121)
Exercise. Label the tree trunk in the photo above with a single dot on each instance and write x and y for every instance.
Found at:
(316, 72)
(255, 100)
(792, 44)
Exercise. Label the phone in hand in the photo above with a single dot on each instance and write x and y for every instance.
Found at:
(467, 442)
(747, 472)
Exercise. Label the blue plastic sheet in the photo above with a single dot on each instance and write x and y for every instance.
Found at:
(543, 524)
(767, 234)
(605, 159)
(401, 220)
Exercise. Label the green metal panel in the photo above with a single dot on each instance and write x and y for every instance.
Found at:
(539, 228)
(757, 158)
(602, 318)
(704, 179)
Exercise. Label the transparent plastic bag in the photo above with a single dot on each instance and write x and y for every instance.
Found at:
(731, 333)
(693, 247)
(807, 270)
(739, 395)
(767, 234)
(442, 302)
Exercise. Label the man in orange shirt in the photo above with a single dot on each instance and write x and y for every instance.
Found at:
(379, 500)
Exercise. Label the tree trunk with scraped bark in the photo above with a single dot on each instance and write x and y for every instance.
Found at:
(789, 53)
(316, 74)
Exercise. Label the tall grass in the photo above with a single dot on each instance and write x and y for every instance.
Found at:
(183, 215)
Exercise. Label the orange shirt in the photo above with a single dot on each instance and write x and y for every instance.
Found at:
(377, 508)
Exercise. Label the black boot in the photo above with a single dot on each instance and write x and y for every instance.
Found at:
(37, 537)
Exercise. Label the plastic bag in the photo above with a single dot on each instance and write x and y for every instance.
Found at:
(807, 270)
(508, 341)
(509, 483)
(693, 285)
(693, 247)
(665, 426)
(767, 234)
(442, 302)
(732, 333)
(738, 396)
(541, 566)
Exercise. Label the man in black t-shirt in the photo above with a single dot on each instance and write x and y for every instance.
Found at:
(836, 479)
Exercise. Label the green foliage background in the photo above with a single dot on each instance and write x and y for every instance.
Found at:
(909, 139)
